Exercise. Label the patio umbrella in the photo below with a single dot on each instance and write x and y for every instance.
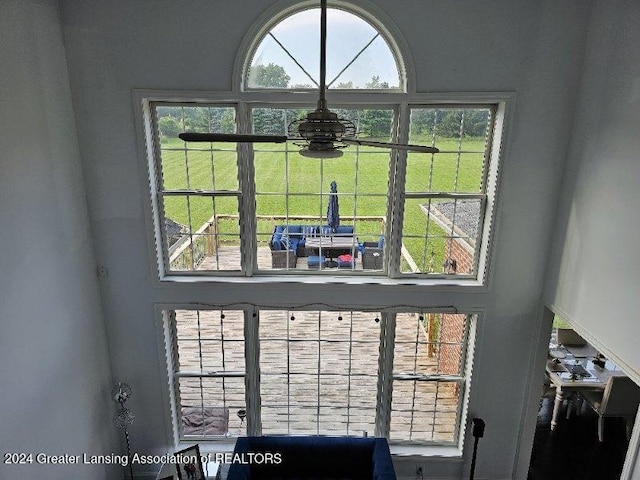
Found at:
(333, 210)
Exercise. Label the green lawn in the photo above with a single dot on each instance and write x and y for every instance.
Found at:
(362, 184)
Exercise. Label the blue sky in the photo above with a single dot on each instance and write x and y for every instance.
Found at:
(347, 34)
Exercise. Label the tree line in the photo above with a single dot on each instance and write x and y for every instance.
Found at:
(373, 123)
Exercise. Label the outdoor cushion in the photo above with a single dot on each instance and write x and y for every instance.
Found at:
(345, 260)
(314, 261)
(276, 239)
(286, 243)
(308, 232)
(294, 228)
(344, 229)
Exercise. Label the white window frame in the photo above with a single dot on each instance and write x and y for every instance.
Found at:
(168, 348)
(275, 14)
(402, 102)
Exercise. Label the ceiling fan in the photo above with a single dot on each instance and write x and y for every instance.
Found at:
(322, 132)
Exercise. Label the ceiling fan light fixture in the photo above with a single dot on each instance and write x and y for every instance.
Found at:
(333, 153)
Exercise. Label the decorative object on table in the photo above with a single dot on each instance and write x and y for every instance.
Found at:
(189, 464)
(478, 433)
(577, 370)
(123, 418)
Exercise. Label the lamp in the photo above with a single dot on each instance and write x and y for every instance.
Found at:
(123, 418)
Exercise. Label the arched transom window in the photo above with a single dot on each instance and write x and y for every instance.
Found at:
(251, 209)
(358, 55)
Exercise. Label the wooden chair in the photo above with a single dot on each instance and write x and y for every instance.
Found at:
(620, 398)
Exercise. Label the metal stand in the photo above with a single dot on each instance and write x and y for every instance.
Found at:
(126, 436)
(478, 433)
(123, 417)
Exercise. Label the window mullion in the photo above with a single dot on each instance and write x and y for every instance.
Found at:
(156, 184)
(465, 366)
(398, 172)
(171, 338)
(247, 204)
(385, 374)
(252, 369)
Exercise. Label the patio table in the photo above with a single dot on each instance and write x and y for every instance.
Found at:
(332, 246)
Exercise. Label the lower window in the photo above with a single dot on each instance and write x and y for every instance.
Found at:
(403, 376)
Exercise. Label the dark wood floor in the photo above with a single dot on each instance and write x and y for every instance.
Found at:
(573, 452)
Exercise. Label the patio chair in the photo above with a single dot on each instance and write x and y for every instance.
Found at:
(283, 259)
(620, 398)
(372, 254)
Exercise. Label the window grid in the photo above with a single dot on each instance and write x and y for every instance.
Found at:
(210, 395)
(438, 381)
(194, 243)
(418, 254)
(318, 372)
(449, 243)
(267, 54)
(325, 170)
(338, 387)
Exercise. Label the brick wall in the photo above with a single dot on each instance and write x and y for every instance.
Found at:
(462, 253)
(452, 329)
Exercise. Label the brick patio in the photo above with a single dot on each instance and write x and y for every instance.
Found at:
(339, 401)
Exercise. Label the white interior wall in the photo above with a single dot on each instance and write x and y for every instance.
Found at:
(116, 46)
(54, 372)
(594, 268)
(595, 264)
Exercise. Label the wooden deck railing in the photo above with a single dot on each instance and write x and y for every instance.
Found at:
(191, 250)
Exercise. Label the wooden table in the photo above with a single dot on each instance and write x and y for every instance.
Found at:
(332, 245)
(558, 371)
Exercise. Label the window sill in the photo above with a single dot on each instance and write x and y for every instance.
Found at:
(432, 451)
(435, 283)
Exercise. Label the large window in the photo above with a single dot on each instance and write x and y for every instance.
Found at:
(403, 376)
(226, 209)
(253, 209)
(384, 366)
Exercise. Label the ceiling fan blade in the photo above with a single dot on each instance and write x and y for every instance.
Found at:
(231, 137)
(395, 146)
